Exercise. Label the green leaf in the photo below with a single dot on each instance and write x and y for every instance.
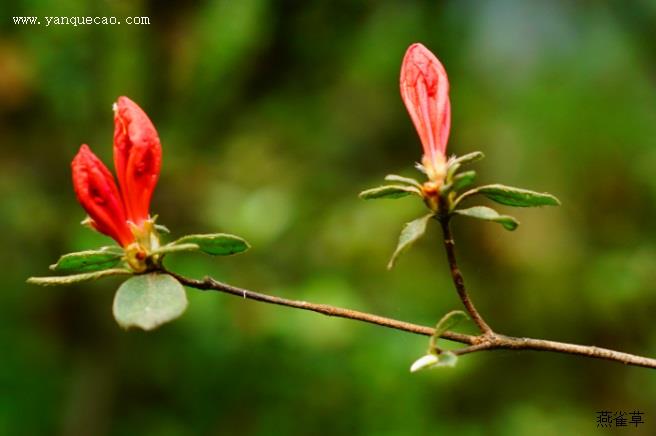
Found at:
(149, 300)
(489, 214)
(446, 358)
(112, 249)
(469, 158)
(410, 233)
(91, 260)
(454, 163)
(77, 278)
(216, 244)
(517, 197)
(174, 248)
(450, 172)
(389, 191)
(162, 228)
(463, 180)
(408, 180)
(449, 321)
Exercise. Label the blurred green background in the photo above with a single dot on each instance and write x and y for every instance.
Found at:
(273, 116)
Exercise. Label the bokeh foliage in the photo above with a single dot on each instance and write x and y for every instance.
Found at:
(273, 116)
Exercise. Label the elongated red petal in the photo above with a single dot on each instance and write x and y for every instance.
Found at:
(137, 157)
(425, 92)
(97, 193)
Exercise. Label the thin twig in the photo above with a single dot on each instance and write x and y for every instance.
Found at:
(490, 341)
(209, 284)
(456, 275)
(511, 343)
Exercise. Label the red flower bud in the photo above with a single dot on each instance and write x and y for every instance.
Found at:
(123, 214)
(425, 92)
(137, 157)
(96, 190)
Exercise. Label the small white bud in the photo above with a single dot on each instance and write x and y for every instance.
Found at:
(427, 361)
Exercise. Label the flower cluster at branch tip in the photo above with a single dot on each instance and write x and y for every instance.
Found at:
(425, 92)
(122, 212)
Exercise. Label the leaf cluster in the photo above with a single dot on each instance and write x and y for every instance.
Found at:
(145, 300)
(450, 198)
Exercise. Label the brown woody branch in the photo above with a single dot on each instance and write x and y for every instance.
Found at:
(487, 341)
(458, 280)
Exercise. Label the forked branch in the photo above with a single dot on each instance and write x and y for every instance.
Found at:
(489, 341)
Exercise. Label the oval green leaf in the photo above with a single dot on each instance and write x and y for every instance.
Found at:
(175, 247)
(389, 191)
(489, 214)
(463, 180)
(216, 244)
(517, 197)
(149, 300)
(91, 260)
(447, 358)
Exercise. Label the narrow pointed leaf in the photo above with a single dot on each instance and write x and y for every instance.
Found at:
(77, 278)
(449, 321)
(410, 233)
(517, 197)
(216, 244)
(452, 169)
(408, 180)
(389, 191)
(91, 260)
(162, 228)
(489, 214)
(469, 158)
(149, 300)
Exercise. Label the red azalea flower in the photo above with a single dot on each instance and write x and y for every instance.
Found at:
(121, 214)
(425, 92)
